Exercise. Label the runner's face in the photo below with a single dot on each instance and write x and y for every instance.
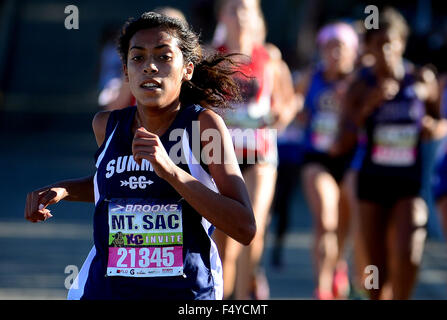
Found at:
(155, 68)
(387, 48)
(239, 16)
(337, 55)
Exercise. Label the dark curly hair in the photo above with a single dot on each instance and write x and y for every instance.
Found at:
(212, 85)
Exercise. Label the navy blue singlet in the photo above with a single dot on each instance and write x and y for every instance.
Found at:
(149, 242)
(324, 114)
(393, 133)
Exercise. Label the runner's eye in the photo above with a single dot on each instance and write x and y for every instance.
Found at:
(137, 58)
(166, 57)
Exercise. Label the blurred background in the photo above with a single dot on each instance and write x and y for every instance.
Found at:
(50, 81)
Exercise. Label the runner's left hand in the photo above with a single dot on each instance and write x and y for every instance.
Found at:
(147, 145)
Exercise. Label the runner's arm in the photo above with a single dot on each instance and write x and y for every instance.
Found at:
(80, 189)
(428, 89)
(301, 87)
(229, 210)
(285, 104)
(352, 118)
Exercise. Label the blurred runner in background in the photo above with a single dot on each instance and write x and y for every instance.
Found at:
(268, 102)
(396, 104)
(440, 173)
(322, 174)
(110, 67)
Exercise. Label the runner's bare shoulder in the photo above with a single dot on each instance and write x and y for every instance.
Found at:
(99, 125)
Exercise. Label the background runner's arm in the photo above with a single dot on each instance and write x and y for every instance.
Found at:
(429, 90)
(352, 117)
(301, 87)
(285, 104)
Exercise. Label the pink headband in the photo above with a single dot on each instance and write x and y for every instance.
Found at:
(340, 31)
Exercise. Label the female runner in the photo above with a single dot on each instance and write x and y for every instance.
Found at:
(323, 174)
(267, 103)
(157, 200)
(395, 103)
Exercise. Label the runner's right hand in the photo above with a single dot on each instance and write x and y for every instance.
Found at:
(386, 90)
(38, 200)
(390, 88)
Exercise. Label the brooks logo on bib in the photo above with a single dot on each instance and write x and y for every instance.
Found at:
(145, 238)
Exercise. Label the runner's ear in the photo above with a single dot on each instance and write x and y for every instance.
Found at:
(188, 71)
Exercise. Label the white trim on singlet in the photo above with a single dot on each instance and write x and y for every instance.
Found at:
(101, 156)
(200, 174)
(77, 288)
(95, 188)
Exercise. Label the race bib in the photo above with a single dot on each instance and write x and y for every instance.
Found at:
(324, 130)
(145, 238)
(395, 145)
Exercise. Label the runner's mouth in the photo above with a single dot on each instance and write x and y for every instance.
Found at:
(151, 85)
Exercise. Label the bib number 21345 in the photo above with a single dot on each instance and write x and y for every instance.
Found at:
(145, 238)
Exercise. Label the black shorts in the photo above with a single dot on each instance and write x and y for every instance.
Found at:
(386, 190)
(337, 167)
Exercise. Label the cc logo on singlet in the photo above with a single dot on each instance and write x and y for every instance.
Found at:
(133, 183)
